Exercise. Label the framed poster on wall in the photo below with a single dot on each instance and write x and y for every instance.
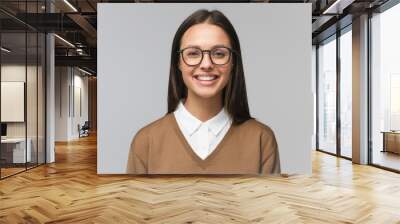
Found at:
(12, 101)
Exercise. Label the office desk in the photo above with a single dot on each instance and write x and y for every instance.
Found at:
(13, 150)
(391, 141)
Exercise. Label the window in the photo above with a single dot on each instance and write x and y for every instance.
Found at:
(327, 96)
(385, 89)
(22, 65)
(346, 93)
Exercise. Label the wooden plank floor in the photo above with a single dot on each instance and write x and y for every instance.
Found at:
(10, 171)
(70, 191)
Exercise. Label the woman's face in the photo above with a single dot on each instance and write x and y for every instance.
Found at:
(206, 80)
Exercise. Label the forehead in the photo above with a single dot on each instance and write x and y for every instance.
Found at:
(205, 35)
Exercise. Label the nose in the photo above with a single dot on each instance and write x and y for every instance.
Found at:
(206, 63)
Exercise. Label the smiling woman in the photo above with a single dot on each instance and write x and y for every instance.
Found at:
(208, 128)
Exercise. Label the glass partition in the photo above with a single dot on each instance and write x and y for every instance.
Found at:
(22, 77)
(41, 88)
(31, 100)
(385, 89)
(13, 110)
(346, 93)
(327, 95)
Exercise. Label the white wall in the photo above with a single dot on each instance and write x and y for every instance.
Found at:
(68, 81)
(133, 69)
(80, 84)
(61, 103)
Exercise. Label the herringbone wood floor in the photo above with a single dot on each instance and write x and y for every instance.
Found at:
(70, 191)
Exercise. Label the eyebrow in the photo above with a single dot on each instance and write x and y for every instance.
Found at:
(217, 45)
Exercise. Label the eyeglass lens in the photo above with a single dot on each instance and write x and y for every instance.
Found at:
(194, 56)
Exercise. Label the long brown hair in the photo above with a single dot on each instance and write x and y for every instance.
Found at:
(234, 96)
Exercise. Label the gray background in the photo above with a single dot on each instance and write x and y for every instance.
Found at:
(134, 44)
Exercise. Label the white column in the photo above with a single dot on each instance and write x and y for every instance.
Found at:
(360, 90)
(63, 86)
(50, 110)
(50, 91)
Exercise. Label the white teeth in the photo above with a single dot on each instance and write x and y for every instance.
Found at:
(206, 77)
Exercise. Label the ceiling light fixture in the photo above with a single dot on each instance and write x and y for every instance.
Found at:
(86, 72)
(65, 41)
(337, 7)
(79, 51)
(331, 7)
(70, 5)
(5, 49)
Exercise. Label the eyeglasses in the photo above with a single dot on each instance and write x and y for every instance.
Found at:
(193, 56)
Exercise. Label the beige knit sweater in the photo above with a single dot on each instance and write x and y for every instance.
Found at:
(161, 148)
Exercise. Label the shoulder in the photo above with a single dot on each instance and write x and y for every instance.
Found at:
(256, 127)
(158, 126)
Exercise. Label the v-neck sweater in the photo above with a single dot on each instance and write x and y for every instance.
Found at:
(203, 137)
(161, 148)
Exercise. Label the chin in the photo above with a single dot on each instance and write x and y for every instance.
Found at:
(206, 94)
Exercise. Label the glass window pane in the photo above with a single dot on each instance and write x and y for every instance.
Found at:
(14, 153)
(314, 76)
(31, 87)
(31, 101)
(22, 89)
(386, 88)
(327, 96)
(41, 98)
(346, 94)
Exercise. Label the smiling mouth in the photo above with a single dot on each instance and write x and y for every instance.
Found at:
(206, 77)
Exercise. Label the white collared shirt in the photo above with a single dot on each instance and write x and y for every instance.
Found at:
(203, 137)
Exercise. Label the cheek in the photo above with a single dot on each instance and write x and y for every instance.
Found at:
(185, 70)
(227, 72)
(186, 75)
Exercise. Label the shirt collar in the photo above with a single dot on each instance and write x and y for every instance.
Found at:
(218, 122)
(190, 123)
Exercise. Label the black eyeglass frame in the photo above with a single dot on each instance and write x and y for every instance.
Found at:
(209, 53)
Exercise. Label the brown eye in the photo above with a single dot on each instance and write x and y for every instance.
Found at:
(192, 52)
(219, 54)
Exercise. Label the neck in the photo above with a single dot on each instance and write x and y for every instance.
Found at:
(203, 109)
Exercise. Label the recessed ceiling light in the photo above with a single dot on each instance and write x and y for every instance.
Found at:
(64, 40)
(70, 5)
(84, 71)
(337, 7)
(5, 49)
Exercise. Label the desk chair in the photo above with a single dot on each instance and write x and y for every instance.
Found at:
(84, 130)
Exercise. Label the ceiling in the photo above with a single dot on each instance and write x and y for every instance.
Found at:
(76, 22)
